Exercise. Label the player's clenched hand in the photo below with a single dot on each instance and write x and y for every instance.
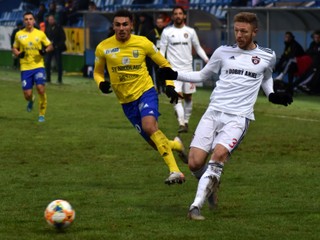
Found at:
(21, 54)
(171, 93)
(284, 99)
(105, 87)
(167, 73)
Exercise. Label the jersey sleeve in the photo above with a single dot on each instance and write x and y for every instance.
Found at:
(267, 82)
(198, 48)
(16, 41)
(99, 65)
(213, 66)
(163, 42)
(158, 58)
(45, 40)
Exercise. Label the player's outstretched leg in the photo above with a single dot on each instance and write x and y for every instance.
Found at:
(163, 146)
(178, 146)
(30, 104)
(42, 107)
(208, 185)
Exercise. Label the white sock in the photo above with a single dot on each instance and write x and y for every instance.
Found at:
(180, 112)
(187, 110)
(203, 191)
(198, 174)
(280, 76)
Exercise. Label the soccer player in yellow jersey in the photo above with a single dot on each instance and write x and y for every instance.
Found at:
(125, 54)
(30, 45)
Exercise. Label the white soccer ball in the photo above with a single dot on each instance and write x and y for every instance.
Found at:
(59, 214)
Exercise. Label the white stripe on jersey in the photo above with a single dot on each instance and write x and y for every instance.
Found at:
(242, 73)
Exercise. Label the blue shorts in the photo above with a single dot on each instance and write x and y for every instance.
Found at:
(146, 105)
(30, 77)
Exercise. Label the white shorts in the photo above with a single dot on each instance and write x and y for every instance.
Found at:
(219, 128)
(184, 87)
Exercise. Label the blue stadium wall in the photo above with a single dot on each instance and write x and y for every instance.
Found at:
(82, 41)
(274, 22)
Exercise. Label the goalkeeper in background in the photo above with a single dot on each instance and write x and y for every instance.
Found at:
(28, 46)
(243, 68)
(125, 54)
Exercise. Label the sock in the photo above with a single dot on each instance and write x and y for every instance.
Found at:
(163, 146)
(198, 174)
(187, 110)
(175, 145)
(42, 104)
(204, 186)
(215, 168)
(180, 112)
(280, 76)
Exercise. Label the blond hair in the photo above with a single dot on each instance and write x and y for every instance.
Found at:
(247, 17)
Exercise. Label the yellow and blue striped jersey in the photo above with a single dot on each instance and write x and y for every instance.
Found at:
(126, 65)
(31, 43)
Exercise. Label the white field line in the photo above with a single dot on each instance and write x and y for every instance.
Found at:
(271, 115)
(295, 118)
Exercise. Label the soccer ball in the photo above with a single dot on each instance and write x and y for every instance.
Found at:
(59, 214)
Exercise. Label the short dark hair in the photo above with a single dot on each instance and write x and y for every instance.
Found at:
(290, 34)
(28, 13)
(179, 7)
(317, 32)
(124, 13)
(247, 17)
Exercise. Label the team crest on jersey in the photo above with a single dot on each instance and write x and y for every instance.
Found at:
(125, 61)
(186, 35)
(135, 53)
(255, 60)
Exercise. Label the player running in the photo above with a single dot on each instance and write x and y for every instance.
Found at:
(177, 41)
(125, 54)
(243, 68)
(28, 46)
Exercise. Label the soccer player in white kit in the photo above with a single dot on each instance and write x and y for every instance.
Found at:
(243, 68)
(176, 45)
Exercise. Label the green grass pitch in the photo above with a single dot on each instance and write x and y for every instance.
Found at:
(88, 154)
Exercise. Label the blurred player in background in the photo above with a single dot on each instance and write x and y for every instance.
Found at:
(57, 36)
(176, 45)
(30, 45)
(13, 35)
(125, 54)
(243, 68)
(154, 36)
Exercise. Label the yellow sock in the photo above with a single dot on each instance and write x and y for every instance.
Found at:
(164, 148)
(175, 145)
(42, 104)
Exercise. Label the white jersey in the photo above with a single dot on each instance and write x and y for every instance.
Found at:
(176, 45)
(242, 72)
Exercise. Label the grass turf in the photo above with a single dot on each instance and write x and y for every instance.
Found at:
(88, 154)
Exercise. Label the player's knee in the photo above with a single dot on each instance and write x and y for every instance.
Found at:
(149, 129)
(195, 162)
(187, 97)
(28, 95)
(220, 154)
(41, 89)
